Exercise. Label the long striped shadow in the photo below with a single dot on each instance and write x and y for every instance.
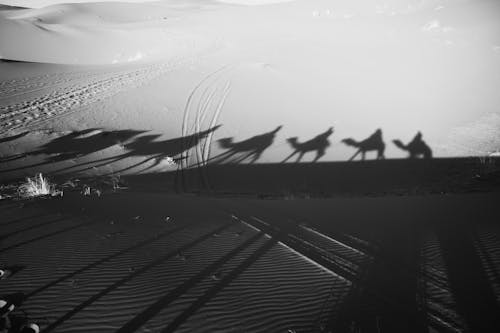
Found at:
(129, 277)
(31, 227)
(160, 304)
(402, 310)
(12, 205)
(212, 292)
(45, 236)
(24, 219)
(387, 261)
(106, 259)
(470, 286)
(486, 256)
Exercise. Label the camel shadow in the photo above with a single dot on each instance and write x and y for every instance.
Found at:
(318, 144)
(77, 144)
(373, 143)
(250, 149)
(151, 150)
(416, 147)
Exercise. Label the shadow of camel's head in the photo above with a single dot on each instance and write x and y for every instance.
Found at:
(277, 129)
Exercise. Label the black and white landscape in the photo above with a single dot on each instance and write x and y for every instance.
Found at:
(250, 166)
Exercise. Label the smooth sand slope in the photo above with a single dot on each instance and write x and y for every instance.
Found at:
(169, 70)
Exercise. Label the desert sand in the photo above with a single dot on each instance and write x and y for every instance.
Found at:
(201, 154)
(153, 262)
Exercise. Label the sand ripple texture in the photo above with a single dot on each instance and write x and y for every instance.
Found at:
(86, 274)
(33, 100)
(83, 268)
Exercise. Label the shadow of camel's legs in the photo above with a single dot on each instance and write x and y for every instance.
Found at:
(319, 155)
(139, 163)
(290, 156)
(222, 157)
(106, 161)
(427, 152)
(299, 158)
(111, 158)
(14, 157)
(49, 161)
(355, 154)
(124, 169)
(157, 162)
(243, 157)
(256, 157)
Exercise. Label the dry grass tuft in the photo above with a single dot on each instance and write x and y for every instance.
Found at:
(37, 186)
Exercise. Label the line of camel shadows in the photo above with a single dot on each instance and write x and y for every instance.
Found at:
(251, 149)
(134, 143)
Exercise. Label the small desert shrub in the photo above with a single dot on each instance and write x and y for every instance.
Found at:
(37, 186)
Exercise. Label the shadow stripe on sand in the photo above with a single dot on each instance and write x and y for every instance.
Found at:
(212, 292)
(22, 219)
(129, 277)
(46, 236)
(400, 308)
(160, 304)
(31, 227)
(106, 259)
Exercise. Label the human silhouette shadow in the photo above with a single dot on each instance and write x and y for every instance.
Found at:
(373, 142)
(252, 148)
(157, 151)
(415, 148)
(318, 144)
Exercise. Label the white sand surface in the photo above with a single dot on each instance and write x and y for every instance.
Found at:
(176, 68)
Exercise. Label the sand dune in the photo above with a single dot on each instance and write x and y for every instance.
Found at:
(81, 34)
(303, 67)
(167, 125)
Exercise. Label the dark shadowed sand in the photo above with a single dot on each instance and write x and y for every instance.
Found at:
(397, 260)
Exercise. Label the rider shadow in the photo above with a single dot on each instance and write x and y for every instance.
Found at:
(250, 149)
(373, 143)
(416, 147)
(317, 144)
